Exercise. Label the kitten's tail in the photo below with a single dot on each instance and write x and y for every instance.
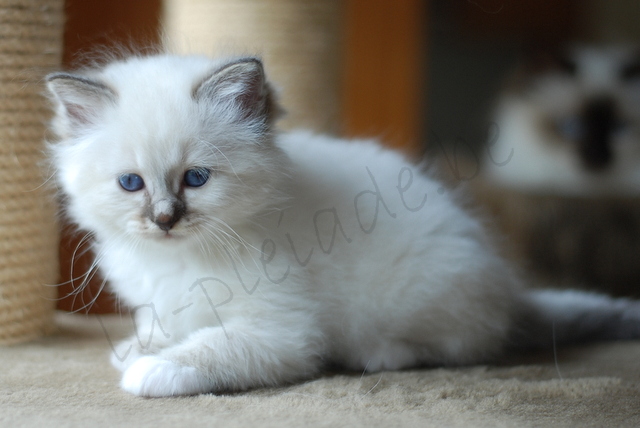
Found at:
(550, 317)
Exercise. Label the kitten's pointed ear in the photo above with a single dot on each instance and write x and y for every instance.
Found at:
(79, 100)
(242, 87)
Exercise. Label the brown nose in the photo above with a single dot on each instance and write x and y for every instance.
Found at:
(166, 212)
(166, 221)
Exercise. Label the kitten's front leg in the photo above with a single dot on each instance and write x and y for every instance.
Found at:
(216, 359)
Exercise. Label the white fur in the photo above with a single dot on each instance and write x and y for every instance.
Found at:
(528, 157)
(151, 376)
(300, 249)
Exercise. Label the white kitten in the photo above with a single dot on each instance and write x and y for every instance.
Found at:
(570, 124)
(251, 257)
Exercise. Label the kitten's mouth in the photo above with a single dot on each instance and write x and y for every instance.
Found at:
(167, 236)
(172, 234)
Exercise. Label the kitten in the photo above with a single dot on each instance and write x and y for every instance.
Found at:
(252, 257)
(570, 124)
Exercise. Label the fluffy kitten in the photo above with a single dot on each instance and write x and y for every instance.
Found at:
(252, 257)
(570, 124)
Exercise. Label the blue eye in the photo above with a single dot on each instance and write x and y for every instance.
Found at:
(196, 177)
(570, 128)
(131, 182)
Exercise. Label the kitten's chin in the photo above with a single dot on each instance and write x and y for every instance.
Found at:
(174, 235)
(170, 236)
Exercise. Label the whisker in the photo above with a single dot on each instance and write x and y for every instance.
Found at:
(92, 271)
(213, 147)
(230, 242)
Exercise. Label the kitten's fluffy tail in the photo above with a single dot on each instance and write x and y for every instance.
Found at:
(550, 317)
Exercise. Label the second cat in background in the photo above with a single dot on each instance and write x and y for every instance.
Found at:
(570, 124)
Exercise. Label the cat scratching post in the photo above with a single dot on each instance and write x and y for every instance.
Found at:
(30, 43)
(300, 42)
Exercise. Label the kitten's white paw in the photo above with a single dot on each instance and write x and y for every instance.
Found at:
(152, 376)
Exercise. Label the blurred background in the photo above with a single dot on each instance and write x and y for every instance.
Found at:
(473, 46)
(420, 74)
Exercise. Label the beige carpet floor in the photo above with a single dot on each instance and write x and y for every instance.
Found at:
(66, 380)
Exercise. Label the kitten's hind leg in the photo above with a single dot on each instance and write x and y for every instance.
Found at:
(230, 359)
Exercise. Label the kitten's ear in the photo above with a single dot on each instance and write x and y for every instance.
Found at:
(79, 99)
(241, 85)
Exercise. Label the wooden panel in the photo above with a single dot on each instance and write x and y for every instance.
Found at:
(537, 23)
(92, 25)
(105, 23)
(385, 76)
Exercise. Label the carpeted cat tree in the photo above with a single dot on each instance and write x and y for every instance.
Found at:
(30, 45)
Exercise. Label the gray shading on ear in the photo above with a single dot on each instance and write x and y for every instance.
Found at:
(241, 85)
(79, 100)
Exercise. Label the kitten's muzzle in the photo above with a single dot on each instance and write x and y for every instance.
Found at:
(166, 213)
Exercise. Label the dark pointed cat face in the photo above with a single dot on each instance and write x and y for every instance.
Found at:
(155, 154)
(589, 99)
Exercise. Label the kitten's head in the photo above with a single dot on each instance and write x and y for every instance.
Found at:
(163, 146)
(588, 100)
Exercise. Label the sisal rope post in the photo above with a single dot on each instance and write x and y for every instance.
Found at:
(30, 42)
(300, 41)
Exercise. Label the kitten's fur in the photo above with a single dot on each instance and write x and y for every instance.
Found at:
(300, 250)
(570, 124)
